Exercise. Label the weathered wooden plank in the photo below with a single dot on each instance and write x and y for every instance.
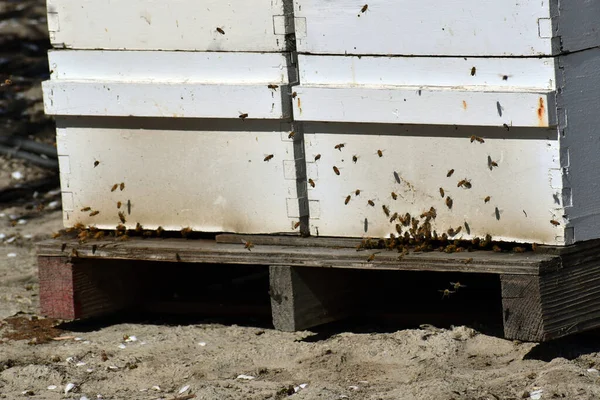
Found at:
(427, 105)
(288, 240)
(521, 307)
(302, 298)
(208, 251)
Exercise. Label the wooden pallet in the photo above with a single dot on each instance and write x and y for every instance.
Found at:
(545, 295)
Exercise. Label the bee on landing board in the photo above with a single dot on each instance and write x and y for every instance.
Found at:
(248, 245)
(243, 116)
(185, 232)
(477, 138)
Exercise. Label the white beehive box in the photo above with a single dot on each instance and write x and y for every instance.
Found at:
(167, 123)
(417, 81)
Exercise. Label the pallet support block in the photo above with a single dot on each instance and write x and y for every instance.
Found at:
(521, 307)
(73, 289)
(304, 297)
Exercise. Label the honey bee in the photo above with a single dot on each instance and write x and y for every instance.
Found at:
(473, 71)
(386, 210)
(311, 182)
(99, 235)
(115, 186)
(63, 247)
(291, 135)
(120, 228)
(347, 199)
(534, 246)
(122, 217)
(119, 204)
(479, 139)
(449, 202)
(185, 232)
(123, 237)
(74, 252)
(468, 261)
(138, 227)
(317, 157)
(399, 229)
(446, 293)
(94, 213)
(354, 158)
(122, 186)
(496, 248)
(506, 127)
(296, 225)
(457, 285)
(84, 209)
(56, 235)
(449, 174)
(380, 153)
(339, 146)
(177, 257)
(221, 31)
(491, 164)
(83, 235)
(269, 158)
(519, 249)
(79, 225)
(294, 94)
(487, 199)
(274, 87)
(371, 257)
(364, 8)
(393, 217)
(336, 170)
(442, 193)
(248, 245)
(371, 203)
(147, 234)
(394, 196)
(96, 163)
(159, 231)
(7, 82)
(357, 192)
(554, 222)
(465, 183)
(243, 116)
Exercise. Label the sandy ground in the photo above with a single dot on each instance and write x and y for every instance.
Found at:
(168, 359)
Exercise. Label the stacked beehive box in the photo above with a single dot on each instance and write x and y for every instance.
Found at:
(484, 112)
(183, 106)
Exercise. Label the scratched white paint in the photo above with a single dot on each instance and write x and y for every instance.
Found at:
(491, 74)
(178, 100)
(169, 66)
(424, 105)
(426, 27)
(207, 175)
(519, 187)
(248, 25)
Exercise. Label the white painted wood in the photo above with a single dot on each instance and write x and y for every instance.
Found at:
(176, 100)
(169, 66)
(490, 74)
(424, 105)
(519, 187)
(208, 175)
(167, 25)
(426, 27)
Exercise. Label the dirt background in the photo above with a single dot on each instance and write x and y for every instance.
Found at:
(155, 357)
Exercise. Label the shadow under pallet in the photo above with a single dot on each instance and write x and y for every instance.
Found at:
(547, 294)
